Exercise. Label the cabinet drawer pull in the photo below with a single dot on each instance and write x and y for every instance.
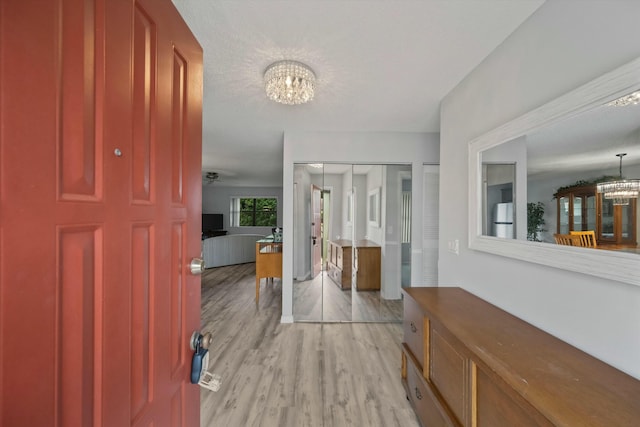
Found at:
(413, 327)
(418, 394)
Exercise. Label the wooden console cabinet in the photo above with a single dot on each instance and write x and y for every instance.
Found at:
(467, 363)
(339, 262)
(367, 264)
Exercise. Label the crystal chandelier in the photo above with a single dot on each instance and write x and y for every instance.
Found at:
(289, 82)
(620, 190)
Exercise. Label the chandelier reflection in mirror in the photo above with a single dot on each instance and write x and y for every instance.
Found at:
(289, 82)
(631, 99)
(620, 190)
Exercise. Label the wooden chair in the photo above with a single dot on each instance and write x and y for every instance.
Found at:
(567, 239)
(587, 238)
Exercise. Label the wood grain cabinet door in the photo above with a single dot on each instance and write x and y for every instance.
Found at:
(497, 407)
(450, 374)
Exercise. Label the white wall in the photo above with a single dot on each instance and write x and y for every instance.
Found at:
(217, 199)
(562, 46)
(354, 147)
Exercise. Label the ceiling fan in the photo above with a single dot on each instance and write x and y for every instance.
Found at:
(211, 177)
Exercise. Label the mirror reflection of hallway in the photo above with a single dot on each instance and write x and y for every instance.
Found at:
(498, 197)
(365, 231)
(316, 230)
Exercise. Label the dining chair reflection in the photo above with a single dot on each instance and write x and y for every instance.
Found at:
(567, 239)
(587, 238)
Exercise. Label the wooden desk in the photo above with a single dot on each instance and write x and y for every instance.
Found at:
(268, 261)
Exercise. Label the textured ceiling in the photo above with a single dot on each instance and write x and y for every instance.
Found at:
(595, 137)
(381, 66)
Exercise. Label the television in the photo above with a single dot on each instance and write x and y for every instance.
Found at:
(212, 222)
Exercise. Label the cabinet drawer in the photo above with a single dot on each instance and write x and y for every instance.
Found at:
(339, 277)
(335, 274)
(423, 400)
(414, 326)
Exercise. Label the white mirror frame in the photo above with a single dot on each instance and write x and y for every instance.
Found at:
(613, 265)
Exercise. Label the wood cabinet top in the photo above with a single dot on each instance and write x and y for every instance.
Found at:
(341, 242)
(358, 243)
(366, 244)
(568, 386)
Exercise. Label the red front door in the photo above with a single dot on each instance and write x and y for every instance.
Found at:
(100, 200)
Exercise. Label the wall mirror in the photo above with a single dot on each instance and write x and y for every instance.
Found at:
(552, 158)
(352, 241)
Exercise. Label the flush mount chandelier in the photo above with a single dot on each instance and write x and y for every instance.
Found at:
(620, 190)
(289, 82)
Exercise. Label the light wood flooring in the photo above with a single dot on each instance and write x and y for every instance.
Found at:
(301, 374)
(320, 299)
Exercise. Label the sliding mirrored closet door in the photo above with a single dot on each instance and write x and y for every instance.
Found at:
(320, 217)
(364, 253)
(382, 241)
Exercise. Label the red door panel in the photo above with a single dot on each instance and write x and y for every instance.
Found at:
(99, 99)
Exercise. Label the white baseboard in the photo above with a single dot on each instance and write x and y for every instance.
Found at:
(304, 278)
(286, 319)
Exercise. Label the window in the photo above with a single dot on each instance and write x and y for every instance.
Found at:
(254, 212)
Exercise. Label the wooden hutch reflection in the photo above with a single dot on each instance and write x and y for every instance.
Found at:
(581, 208)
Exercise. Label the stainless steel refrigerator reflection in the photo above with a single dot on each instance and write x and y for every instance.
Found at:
(503, 220)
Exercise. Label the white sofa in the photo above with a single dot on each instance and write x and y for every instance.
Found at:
(230, 249)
